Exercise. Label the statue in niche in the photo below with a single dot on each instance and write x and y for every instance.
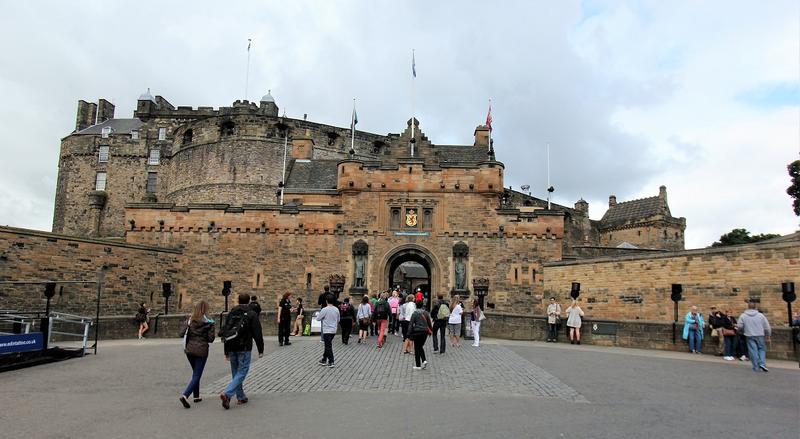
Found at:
(461, 275)
(360, 271)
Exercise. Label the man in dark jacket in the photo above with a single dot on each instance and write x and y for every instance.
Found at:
(254, 305)
(237, 349)
(439, 323)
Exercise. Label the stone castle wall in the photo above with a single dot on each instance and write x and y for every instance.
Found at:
(135, 273)
(639, 287)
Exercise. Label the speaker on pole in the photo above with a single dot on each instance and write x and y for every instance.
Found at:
(677, 289)
(789, 295)
(576, 290)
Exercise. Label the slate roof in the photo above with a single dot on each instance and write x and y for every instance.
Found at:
(414, 271)
(635, 210)
(118, 126)
(456, 154)
(315, 174)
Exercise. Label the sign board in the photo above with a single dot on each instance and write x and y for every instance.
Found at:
(604, 328)
(412, 233)
(21, 342)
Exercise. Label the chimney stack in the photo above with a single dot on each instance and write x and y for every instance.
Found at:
(105, 111)
(482, 136)
(662, 193)
(303, 147)
(86, 115)
(612, 200)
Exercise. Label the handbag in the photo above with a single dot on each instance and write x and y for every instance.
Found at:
(481, 317)
(727, 332)
(715, 332)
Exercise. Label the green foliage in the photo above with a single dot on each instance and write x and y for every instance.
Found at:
(741, 236)
(794, 189)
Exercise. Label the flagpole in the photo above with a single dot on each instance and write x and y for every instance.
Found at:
(353, 129)
(285, 148)
(549, 192)
(247, 75)
(490, 128)
(413, 97)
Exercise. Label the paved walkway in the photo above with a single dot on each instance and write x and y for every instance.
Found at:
(503, 389)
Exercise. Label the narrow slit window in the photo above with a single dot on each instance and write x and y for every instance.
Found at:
(100, 181)
(162, 134)
(152, 182)
(155, 157)
(102, 154)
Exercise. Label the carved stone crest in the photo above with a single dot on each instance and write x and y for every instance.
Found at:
(411, 218)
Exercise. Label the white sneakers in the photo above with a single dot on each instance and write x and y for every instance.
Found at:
(424, 364)
(728, 358)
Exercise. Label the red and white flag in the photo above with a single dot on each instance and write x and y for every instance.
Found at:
(489, 116)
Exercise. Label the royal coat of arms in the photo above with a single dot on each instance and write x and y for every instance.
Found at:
(411, 218)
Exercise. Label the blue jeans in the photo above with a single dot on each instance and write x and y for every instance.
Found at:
(757, 351)
(695, 341)
(198, 364)
(240, 365)
(730, 346)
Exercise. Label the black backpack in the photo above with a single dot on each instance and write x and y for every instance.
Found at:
(382, 310)
(236, 326)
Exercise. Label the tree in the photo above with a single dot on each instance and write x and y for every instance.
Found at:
(741, 236)
(794, 189)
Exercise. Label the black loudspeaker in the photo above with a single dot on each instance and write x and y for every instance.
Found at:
(50, 290)
(166, 289)
(677, 289)
(226, 288)
(576, 290)
(788, 292)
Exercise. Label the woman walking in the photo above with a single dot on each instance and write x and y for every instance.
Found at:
(298, 321)
(347, 314)
(406, 311)
(198, 333)
(142, 319)
(284, 319)
(420, 326)
(574, 314)
(363, 317)
(454, 322)
(477, 317)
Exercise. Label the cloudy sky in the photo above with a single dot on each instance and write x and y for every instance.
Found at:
(703, 97)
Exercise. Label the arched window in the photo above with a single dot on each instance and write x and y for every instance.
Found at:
(187, 136)
(227, 128)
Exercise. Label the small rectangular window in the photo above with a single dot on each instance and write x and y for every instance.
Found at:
(102, 154)
(155, 157)
(100, 181)
(134, 134)
(162, 134)
(152, 181)
(105, 132)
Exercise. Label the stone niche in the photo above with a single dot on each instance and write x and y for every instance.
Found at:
(360, 259)
(460, 268)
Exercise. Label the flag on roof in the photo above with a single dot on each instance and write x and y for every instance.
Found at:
(354, 118)
(413, 65)
(489, 116)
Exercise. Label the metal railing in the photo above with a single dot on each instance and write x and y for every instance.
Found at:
(60, 323)
(14, 323)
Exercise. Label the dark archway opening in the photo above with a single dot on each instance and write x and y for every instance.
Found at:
(411, 270)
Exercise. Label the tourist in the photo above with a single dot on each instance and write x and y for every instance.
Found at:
(728, 330)
(406, 311)
(755, 327)
(419, 298)
(373, 300)
(419, 328)
(553, 318)
(715, 320)
(574, 314)
(197, 334)
(241, 329)
(321, 301)
(454, 322)
(284, 319)
(364, 317)
(441, 311)
(381, 317)
(298, 321)
(477, 317)
(394, 303)
(255, 306)
(142, 319)
(693, 330)
(347, 314)
(329, 318)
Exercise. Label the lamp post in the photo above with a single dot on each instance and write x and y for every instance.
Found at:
(677, 289)
(226, 291)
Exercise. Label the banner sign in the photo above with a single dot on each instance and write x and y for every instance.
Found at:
(21, 342)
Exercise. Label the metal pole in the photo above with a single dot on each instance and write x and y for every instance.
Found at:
(100, 278)
(674, 322)
(283, 176)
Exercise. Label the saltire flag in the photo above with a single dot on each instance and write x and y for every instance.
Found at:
(413, 65)
(354, 119)
(489, 117)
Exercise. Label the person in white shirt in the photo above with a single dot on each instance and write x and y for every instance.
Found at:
(553, 316)
(406, 310)
(454, 322)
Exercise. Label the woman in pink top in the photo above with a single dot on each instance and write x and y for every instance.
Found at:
(394, 302)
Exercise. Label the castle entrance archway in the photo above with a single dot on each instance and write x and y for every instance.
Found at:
(411, 267)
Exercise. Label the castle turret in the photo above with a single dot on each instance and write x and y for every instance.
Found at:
(582, 206)
(268, 105)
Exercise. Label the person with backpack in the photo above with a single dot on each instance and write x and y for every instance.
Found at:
(442, 312)
(364, 318)
(394, 303)
(197, 334)
(284, 319)
(347, 314)
(373, 301)
(240, 330)
(381, 317)
(329, 318)
(255, 306)
(420, 327)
